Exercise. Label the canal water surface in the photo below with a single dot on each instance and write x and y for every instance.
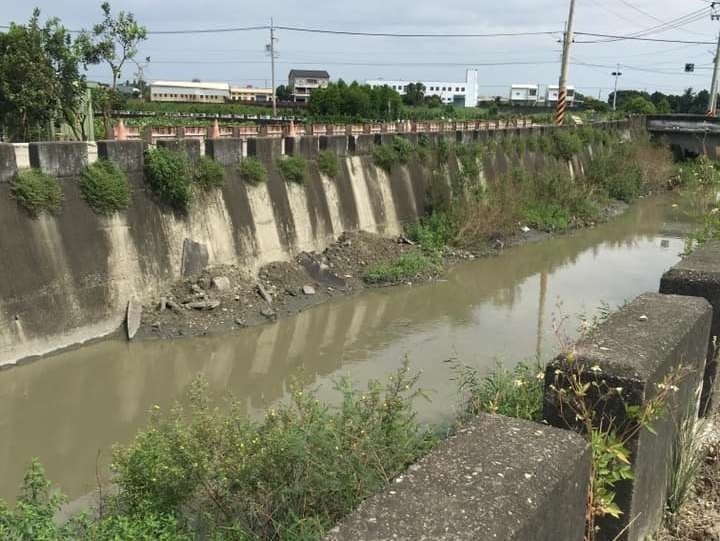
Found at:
(69, 408)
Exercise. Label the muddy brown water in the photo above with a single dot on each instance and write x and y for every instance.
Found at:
(67, 408)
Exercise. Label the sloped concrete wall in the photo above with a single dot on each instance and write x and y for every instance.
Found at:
(67, 278)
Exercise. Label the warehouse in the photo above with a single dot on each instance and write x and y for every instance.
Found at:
(189, 91)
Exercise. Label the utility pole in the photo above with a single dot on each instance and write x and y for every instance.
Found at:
(712, 106)
(562, 90)
(617, 75)
(270, 48)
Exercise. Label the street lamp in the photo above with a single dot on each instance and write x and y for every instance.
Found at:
(617, 75)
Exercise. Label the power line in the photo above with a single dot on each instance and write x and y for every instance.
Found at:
(616, 37)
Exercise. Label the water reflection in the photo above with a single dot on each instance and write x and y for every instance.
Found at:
(65, 408)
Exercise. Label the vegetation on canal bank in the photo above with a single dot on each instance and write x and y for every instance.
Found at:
(198, 471)
(470, 211)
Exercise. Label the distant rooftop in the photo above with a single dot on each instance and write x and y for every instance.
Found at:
(191, 84)
(314, 74)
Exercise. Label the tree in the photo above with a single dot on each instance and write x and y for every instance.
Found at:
(40, 80)
(114, 41)
(414, 94)
(284, 93)
(639, 105)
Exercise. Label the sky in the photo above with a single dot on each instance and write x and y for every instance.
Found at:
(240, 58)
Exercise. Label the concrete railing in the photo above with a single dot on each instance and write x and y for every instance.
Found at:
(502, 478)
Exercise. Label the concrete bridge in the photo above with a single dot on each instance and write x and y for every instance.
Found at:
(687, 135)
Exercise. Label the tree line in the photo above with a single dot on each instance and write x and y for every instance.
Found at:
(636, 101)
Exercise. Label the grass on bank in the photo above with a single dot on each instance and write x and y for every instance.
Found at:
(208, 174)
(409, 267)
(36, 191)
(169, 175)
(105, 187)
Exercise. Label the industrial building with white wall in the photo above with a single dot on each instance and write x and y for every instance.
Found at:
(458, 93)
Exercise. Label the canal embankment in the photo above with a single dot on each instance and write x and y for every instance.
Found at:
(87, 267)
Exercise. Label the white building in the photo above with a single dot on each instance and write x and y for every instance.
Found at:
(305, 82)
(189, 91)
(524, 94)
(462, 93)
(250, 93)
(551, 97)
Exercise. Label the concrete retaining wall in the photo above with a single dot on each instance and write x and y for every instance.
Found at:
(86, 267)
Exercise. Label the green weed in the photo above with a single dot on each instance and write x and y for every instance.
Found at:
(105, 187)
(36, 191)
(293, 169)
(169, 175)
(328, 163)
(208, 174)
(252, 170)
(407, 267)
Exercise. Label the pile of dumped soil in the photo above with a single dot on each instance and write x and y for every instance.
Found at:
(226, 298)
(699, 518)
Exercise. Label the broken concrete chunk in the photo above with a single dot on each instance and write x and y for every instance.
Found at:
(221, 283)
(194, 258)
(308, 290)
(204, 305)
(264, 294)
(162, 305)
(133, 318)
(175, 307)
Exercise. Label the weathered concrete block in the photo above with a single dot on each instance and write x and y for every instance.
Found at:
(497, 478)
(306, 146)
(336, 143)
(698, 275)
(264, 148)
(8, 165)
(59, 158)
(635, 350)
(226, 151)
(362, 143)
(195, 258)
(191, 147)
(129, 155)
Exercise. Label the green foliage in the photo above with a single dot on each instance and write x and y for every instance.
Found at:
(414, 94)
(565, 144)
(433, 232)
(443, 151)
(252, 170)
(640, 106)
(614, 170)
(299, 470)
(169, 175)
(293, 168)
(685, 461)
(403, 148)
(546, 216)
(340, 101)
(384, 156)
(516, 392)
(327, 162)
(33, 518)
(407, 267)
(105, 187)
(40, 81)
(208, 174)
(38, 192)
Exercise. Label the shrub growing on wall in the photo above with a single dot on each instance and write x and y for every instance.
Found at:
(169, 176)
(105, 187)
(328, 163)
(384, 157)
(292, 169)
(252, 170)
(565, 144)
(208, 174)
(403, 148)
(38, 192)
